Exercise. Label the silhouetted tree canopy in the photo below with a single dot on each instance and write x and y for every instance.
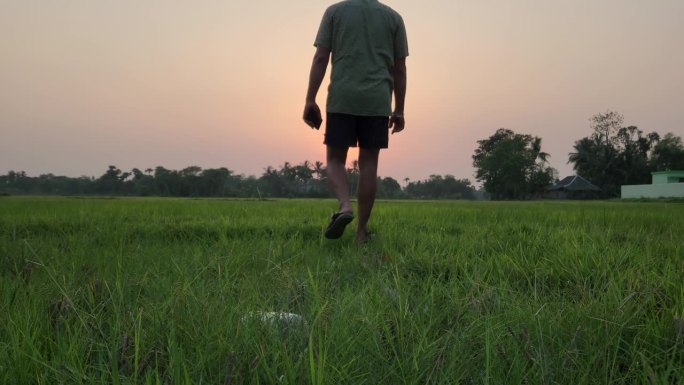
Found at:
(614, 155)
(306, 180)
(668, 154)
(441, 187)
(512, 166)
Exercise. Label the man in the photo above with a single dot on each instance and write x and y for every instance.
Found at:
(369, 47)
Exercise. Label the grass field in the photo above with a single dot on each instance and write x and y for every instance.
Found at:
(126, 291)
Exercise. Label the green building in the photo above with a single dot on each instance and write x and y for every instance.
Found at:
(665, 184)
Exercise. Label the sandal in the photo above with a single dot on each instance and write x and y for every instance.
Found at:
(337, 224)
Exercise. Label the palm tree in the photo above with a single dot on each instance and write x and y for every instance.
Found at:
(318, 169)
(584, 157)
(304, 174)
(288, 172)
(536, 148)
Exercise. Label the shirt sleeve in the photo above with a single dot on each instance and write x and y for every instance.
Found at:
(400, 41)
(324, 38)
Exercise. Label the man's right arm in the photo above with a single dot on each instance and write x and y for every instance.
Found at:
(318, 68)
(397, 120)
(312, 113)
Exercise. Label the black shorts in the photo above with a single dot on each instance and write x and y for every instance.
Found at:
(343, 130)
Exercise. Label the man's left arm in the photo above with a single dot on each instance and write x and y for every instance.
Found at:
(401, 51)
(312, 113)
(397, 121)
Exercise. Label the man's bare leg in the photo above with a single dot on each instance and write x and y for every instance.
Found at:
(337, 176)
(368, 176)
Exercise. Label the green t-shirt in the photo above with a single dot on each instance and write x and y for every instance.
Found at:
(365, 38)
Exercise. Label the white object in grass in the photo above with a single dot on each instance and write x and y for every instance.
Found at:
(273, 317)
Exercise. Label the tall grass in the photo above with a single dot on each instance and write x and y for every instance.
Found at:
(160, 291)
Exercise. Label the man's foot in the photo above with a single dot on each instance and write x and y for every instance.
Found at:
(338, 222)
(346, 207)
(363, 237)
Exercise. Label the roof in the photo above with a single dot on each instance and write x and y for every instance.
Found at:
(674, 173)
(574, 183)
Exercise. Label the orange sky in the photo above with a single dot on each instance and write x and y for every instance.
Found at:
(85, 84)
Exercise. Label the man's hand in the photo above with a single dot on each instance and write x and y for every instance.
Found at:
(398, 122)
(312, 115)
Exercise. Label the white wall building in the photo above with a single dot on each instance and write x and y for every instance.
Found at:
(665, 184)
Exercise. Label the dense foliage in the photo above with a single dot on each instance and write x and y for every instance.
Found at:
(441, 187)
(668, 154)
(512, 166)
(615, 155)
(308, 180)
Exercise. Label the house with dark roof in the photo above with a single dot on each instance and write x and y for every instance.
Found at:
(574, 187)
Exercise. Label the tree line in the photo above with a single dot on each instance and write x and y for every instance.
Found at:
(513, 166)
(305, 180)
(508, 164)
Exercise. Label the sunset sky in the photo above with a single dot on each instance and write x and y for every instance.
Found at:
(89, 83)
